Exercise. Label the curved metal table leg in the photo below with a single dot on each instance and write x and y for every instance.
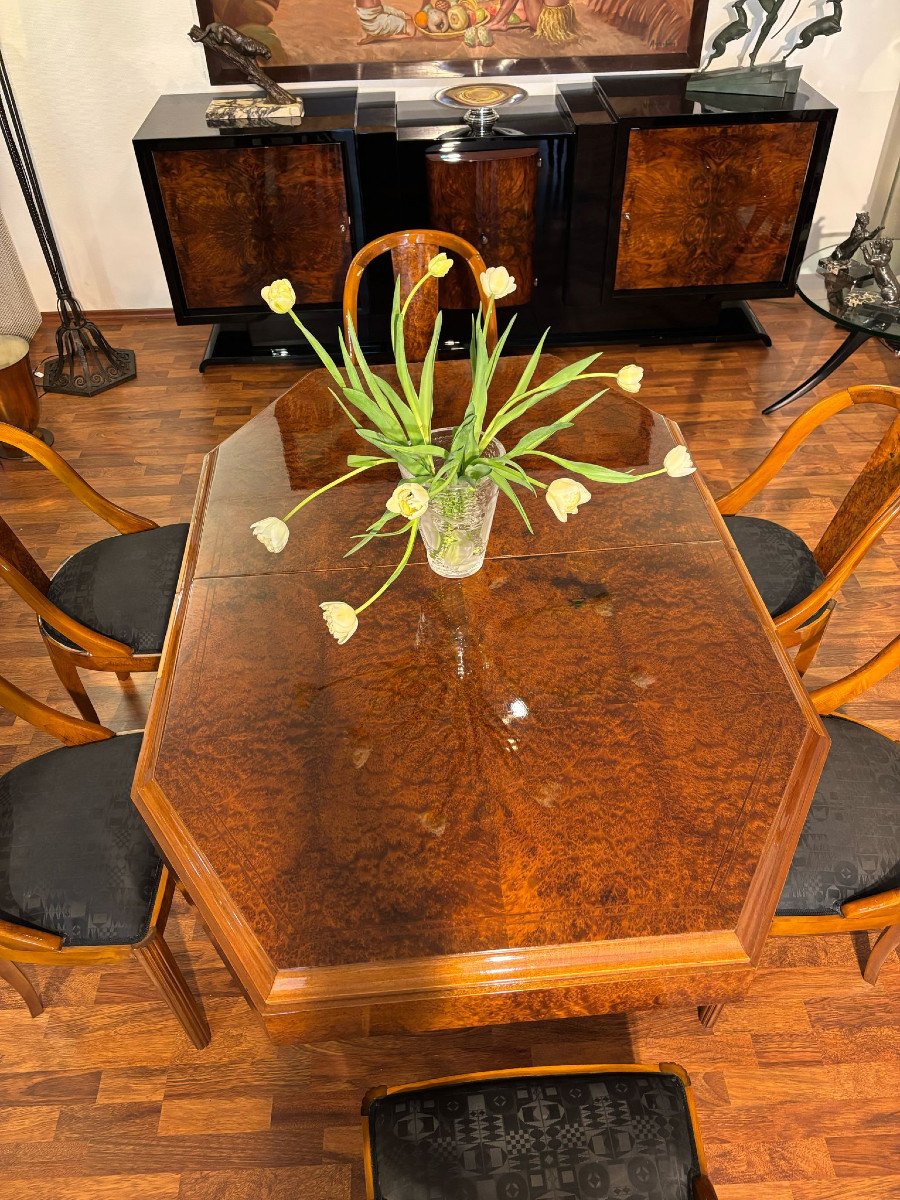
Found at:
(843, 352)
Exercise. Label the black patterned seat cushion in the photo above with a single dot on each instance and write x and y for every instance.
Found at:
(123, 587)
(75, 856)
(850, 844)
(781, 564)
(578, 1137)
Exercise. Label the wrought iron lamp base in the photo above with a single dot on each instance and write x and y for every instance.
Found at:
(85, 364)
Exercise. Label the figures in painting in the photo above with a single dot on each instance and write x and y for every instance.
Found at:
(302, 34)
(552, 20)
(382, 22)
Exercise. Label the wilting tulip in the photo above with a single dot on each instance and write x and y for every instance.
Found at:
(408, 500)
(341, 620)
(272, 532)
(679, 463)
(565, 495)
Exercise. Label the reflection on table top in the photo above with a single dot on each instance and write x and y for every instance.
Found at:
(588, 742)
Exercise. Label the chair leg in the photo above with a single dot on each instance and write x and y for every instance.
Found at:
(709, 1014)
(809, 649)
(68, 676)
(17, 979)
(123, 676)
(881, 952)
(158, 961)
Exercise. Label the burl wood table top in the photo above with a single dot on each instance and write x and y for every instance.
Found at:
(570, 783)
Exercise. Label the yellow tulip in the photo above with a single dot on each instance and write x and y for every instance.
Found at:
(497, 283)
(679, 463)
(272, 532)
(408, 500)
(280, 296)
(564, 497)
(341, 620)
(440, 266)
(629, 379)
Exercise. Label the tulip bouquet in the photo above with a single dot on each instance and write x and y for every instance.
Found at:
(451, 477)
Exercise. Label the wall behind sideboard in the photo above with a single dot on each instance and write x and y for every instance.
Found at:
(86, 74)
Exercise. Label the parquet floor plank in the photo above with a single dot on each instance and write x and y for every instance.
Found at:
(103, 1098)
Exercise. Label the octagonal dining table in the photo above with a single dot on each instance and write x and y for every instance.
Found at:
(570, 784)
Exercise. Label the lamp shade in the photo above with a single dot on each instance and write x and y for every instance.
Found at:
(19, 314)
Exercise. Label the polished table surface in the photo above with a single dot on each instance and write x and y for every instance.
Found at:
(569, 784)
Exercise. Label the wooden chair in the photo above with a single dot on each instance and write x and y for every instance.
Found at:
(497, 1131)
(846, 872)
(81, 883)
(108, 606)
(411, 250)
(799, 585)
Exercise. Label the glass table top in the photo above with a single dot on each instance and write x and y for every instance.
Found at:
(849, 297)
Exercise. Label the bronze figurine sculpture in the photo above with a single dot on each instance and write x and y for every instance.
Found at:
(770, 79)
(858, 235)
(822, 27)
(243, 51)
(877, 254)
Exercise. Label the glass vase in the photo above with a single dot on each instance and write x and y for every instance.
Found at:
(457, 525)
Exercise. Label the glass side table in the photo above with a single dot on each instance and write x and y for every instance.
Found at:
(850, 299)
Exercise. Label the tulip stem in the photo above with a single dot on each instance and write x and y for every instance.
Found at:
(398, 570)
(412, 293)
(343, 479)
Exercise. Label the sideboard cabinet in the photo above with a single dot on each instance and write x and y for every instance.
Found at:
(625, 208)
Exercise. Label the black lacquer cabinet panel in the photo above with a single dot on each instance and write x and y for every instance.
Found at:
(625, 208)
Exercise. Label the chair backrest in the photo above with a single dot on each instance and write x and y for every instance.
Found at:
(71, 730)
(23, 572)
(877, 485)
(411, 250)
(826, 699)
(873, 500)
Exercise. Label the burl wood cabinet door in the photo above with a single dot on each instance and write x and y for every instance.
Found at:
(488, 198)
(711, 206)
(241, 217)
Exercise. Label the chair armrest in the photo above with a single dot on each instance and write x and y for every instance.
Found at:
(19, 938)
(119, 518)
(87, 639)
(885, 904)
(833, 695)
(789, 442)
(71, 730)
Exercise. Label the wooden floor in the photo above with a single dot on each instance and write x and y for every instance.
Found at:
(103, 1096)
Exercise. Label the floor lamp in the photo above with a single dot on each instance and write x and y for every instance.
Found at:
(85, 363)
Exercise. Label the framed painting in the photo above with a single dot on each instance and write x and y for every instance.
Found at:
(394, 39)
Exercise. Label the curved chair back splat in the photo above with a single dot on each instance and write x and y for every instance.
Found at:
(411, 250)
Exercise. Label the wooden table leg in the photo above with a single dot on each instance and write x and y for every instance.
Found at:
(19, 980)
(709, 1014)
(881, 951)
